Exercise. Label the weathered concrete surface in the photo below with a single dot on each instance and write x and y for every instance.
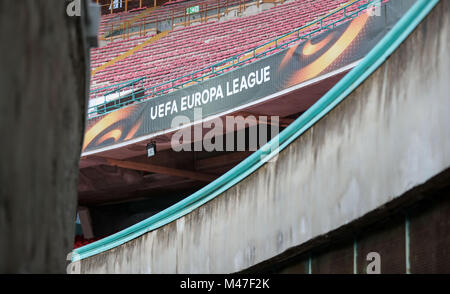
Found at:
(42, 109)
(390, 135)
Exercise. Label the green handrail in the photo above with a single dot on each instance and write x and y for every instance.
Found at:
(120, 101)
(331, 99)
(212, 72)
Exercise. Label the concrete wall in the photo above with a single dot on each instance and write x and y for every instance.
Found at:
(43, 66)
(388, 136)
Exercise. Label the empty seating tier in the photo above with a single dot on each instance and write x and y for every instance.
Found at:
(190, 49)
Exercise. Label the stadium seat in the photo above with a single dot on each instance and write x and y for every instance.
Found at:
(186, 50)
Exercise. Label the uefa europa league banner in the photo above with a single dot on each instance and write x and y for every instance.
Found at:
(325, 53)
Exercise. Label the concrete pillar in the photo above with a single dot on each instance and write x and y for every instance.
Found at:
(42, 114)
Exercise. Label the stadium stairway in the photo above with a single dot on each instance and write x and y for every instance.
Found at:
(277, 198)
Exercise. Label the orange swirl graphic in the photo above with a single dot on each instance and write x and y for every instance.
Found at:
(311, 49)
(114, 134)
(133, 130)
(288, 56)
(319, 65)
(105, 123)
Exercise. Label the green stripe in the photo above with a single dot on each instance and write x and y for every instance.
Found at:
(355, 256)
(407, 255)
(310, 265)
(339, 92)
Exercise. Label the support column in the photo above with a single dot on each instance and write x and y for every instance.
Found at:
(86, 222)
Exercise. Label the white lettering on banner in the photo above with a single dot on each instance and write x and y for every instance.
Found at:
(203, 97)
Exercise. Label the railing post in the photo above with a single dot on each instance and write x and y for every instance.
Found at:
(112, 6)
(218, 10)
(142, 27)
(126, 5)
(173, 18)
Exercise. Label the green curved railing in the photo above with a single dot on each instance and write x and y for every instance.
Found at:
(221, 67)
(339, 92)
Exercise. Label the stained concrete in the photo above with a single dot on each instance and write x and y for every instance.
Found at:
(43, 65)
(389, 136)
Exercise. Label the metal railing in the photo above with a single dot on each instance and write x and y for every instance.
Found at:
(245, 57)
(152, 22)
(107, 6)
(109, 104)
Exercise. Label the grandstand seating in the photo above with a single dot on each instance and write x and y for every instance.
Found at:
(114, 49)
(189, 49)
(161, 13)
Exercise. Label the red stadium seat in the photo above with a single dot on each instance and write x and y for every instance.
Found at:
(186, 50)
